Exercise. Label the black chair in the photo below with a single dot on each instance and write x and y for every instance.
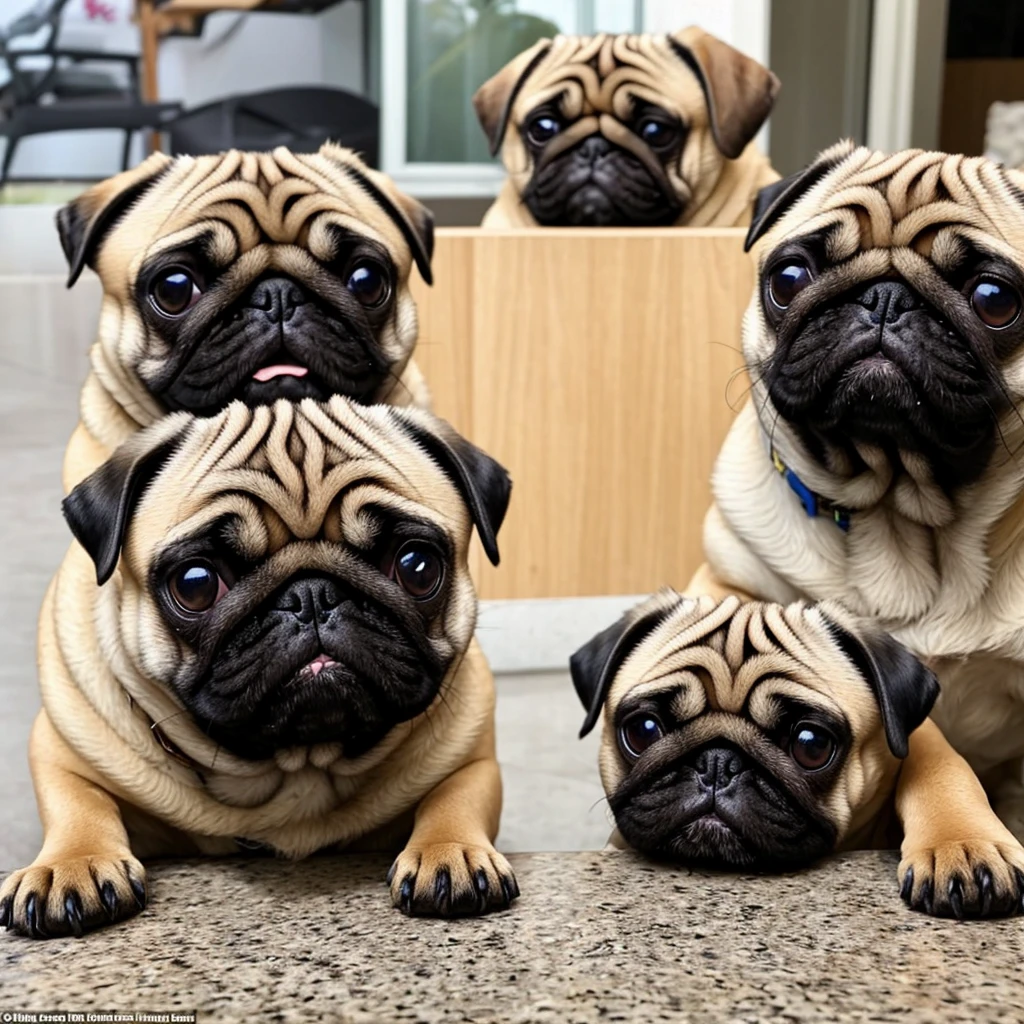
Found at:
(301, 118)
(62, 78)
(50, 90)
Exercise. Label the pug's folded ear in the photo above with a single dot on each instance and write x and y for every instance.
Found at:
(594, 666)
(739, 92)
(409, 215)
(99, 509)
(84, 222)
(493, 100)
(775, 199)
(483, 482)
(905, 689)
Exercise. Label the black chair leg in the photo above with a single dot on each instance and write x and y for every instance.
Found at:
(126, 153)
(12, 145)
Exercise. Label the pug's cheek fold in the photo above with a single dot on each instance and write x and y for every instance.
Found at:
(910, 382)
(753, 824)
(256, 690)
(613, 189)
(212, 360)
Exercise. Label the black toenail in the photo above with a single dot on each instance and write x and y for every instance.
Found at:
(73, 913)
(907, 888)
(955, 892)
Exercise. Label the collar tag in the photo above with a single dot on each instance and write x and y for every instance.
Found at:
(813, 504)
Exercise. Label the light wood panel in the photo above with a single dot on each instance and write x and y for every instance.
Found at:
(595, 365)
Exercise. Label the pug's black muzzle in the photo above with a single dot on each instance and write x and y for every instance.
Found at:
(881, 366)
(278, 321)
(717, 807)
(599, 184)
(319, 662)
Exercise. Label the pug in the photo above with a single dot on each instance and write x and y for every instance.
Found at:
(627, 130)
(877, 462)
(756, 736)
(251, 276)
(263, 639)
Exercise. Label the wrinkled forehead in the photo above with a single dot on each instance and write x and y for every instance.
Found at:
(906, 200)
(299, 474)
(242, 200)
(608, 74)
(727, 659)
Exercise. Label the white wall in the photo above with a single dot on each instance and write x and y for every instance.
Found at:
(744, 24)
(266, 51)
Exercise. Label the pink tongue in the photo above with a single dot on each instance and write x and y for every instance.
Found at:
(319, 663)
(280, 370)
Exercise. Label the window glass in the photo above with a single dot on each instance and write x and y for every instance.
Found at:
(453, 46)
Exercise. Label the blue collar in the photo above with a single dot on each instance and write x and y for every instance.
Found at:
(814, 504)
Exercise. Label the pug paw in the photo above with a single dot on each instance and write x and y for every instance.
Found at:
(973, 878)
(71, 897)
(451, 880)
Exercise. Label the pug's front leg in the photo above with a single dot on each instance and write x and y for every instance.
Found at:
(958, 858)
(85, 875)
(450, 866)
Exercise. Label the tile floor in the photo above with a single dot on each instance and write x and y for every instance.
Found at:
(553, 797)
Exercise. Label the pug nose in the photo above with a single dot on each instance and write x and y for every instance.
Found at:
(592, 149)
(277, 298)
(887, 301)
(310, 600)
(716, 767)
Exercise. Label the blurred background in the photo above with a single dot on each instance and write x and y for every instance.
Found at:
(86, 84)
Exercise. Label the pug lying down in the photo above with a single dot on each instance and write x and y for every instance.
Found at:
(759, 736)
(264, 637)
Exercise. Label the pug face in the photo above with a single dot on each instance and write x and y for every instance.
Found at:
(623, 130)
(751, 736)
(250, 276)
(296, 575)
(886, 329)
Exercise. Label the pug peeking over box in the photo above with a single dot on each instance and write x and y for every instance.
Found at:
(627, 130)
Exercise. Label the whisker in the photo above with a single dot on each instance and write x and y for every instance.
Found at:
(167, 718)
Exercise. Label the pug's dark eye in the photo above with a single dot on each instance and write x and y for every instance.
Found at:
(996, 303)
(419, 569)
(174, 291)
(369, 282)
(543, 128)
(638, 732)
(786, 282)
(812, 747)
(196, 587)
(657, 134)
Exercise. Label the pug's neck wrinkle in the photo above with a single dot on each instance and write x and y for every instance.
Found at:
(729, 200)
(903, 483)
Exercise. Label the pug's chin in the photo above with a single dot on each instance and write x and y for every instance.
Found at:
(255, 392)
(615, 191)
(592, 206)
(762, 828)
(877, 403)
(331, 705)
(711, 841)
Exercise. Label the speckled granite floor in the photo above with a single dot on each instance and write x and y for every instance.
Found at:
(595, 937)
